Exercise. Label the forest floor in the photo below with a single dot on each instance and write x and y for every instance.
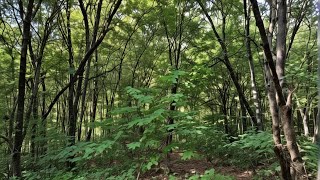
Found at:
(185, 168)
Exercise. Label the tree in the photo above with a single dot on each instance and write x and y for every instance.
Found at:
(18, 138)
(285, 105)
(227, 63)
(110, 87)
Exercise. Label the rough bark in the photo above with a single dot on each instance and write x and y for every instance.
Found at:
(284, 105)
(281, 40)
(274, 110)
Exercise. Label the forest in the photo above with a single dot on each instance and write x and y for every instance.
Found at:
(159, 89)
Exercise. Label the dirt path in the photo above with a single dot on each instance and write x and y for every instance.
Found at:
(181, 169)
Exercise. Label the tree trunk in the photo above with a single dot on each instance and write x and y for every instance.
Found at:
(243, 117)
(95, 99)
(18, 138)
(71, 131)
(285, 107)
(226, 61)
(172, 108)
(43, 126)
(83, 98)
(281, 40)
(304, 114)
(255, 94)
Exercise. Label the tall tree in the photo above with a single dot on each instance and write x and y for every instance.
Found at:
(255, 93)
(227, 62)
(285, 105)
(26, 16)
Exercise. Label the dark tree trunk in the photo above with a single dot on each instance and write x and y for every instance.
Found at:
(18, 138)
(243, 117)
(71, 131)
(227, 63)
(95, 99)
(172, 108)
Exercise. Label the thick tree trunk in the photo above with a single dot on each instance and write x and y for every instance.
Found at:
(281, 40)
(18, 138)
(274, 110)
(285, 107)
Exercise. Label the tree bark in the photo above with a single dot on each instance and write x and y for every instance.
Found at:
(95, 99)
(71, 130)
(255, 94)
(286, 109)
(304, 114)
(18, 138)
(281, 40)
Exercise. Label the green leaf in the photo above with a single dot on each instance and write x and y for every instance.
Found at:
(153, 161)
(88, 152)
(134, 145)
(188, 155)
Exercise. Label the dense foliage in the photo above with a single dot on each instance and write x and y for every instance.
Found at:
(131, 89)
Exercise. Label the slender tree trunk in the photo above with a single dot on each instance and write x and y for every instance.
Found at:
(226, 61)
(225, 119)
(255, 94)
(18, 138)
(172, 108)
(304, 114)
(71, 131)
(286, 109)
(299, 122)
(174, 56)
(317, 128)
(243, 117)
(83, 98)
(95, 99)
(43, 126)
